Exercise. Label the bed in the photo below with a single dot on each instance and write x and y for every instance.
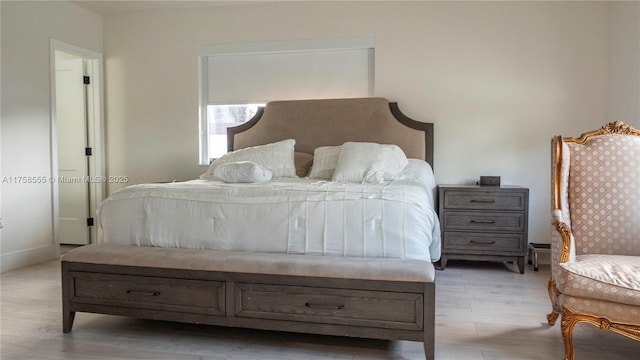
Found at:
(344, 253)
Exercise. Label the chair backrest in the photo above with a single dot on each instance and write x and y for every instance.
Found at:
(600, 171)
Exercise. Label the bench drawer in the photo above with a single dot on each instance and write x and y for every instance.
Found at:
(390, 310)
(145, 292)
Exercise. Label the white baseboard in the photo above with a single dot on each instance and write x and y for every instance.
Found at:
(22, 258)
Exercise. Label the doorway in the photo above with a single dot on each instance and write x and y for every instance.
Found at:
(77, 145)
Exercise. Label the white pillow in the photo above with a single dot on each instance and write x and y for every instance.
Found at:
(369, 162)
(277, 157)
(325, 159)
(395, 162)
(242, 172)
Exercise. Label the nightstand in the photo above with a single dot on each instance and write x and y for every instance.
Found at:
(483, 223)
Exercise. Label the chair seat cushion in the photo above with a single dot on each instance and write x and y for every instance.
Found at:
(615, 312)
(613, 278)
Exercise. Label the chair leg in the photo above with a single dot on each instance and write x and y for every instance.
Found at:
(567, 324)
(553, 315)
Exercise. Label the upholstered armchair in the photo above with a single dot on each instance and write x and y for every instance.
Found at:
(595, 244)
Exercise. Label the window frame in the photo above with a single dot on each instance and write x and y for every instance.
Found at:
(265, 48)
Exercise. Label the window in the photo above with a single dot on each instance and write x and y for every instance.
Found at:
(219, 118)
(237, 78)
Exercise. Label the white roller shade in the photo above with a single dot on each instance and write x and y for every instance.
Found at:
(262, 77)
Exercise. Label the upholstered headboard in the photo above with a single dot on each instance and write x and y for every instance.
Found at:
(315, 123)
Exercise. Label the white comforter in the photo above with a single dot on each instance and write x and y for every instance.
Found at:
(302, 216)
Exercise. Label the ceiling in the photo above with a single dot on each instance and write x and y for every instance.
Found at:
(119, 6)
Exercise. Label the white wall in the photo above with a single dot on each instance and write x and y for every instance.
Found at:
(26, 29)
(624, 84)
(498, 79)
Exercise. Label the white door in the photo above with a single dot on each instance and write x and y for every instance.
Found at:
(71, 127)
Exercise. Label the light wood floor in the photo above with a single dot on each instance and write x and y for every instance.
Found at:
(484, 311)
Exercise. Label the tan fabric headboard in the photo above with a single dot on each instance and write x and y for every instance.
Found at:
(315, 123)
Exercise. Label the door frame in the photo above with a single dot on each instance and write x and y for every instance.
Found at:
(95, 132)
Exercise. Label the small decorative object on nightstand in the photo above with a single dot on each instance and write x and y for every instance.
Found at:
(483, 223)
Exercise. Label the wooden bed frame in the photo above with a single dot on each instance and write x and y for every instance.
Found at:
(378, 298)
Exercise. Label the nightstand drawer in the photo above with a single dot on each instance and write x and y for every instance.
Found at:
(483, 242)
(483, 221)
(485, 200)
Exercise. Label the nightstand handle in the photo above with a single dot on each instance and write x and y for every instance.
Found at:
(482, 242)
(482, 201)
(483, 222)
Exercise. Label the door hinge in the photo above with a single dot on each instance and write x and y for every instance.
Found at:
(88, 151)
(86, 80)
(89, 221)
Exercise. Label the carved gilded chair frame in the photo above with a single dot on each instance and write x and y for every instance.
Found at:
(569, 317)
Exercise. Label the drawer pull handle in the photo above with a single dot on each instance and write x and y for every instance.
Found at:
(482, 242)
(147, 293)
(336, 307)
(489, 222)
(482, 201)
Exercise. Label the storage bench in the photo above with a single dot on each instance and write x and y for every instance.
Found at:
(377, 298)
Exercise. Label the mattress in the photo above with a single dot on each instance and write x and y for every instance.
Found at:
(394, 219)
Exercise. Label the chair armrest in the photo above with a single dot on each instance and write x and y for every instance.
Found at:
(561, 240)
(556, 215)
